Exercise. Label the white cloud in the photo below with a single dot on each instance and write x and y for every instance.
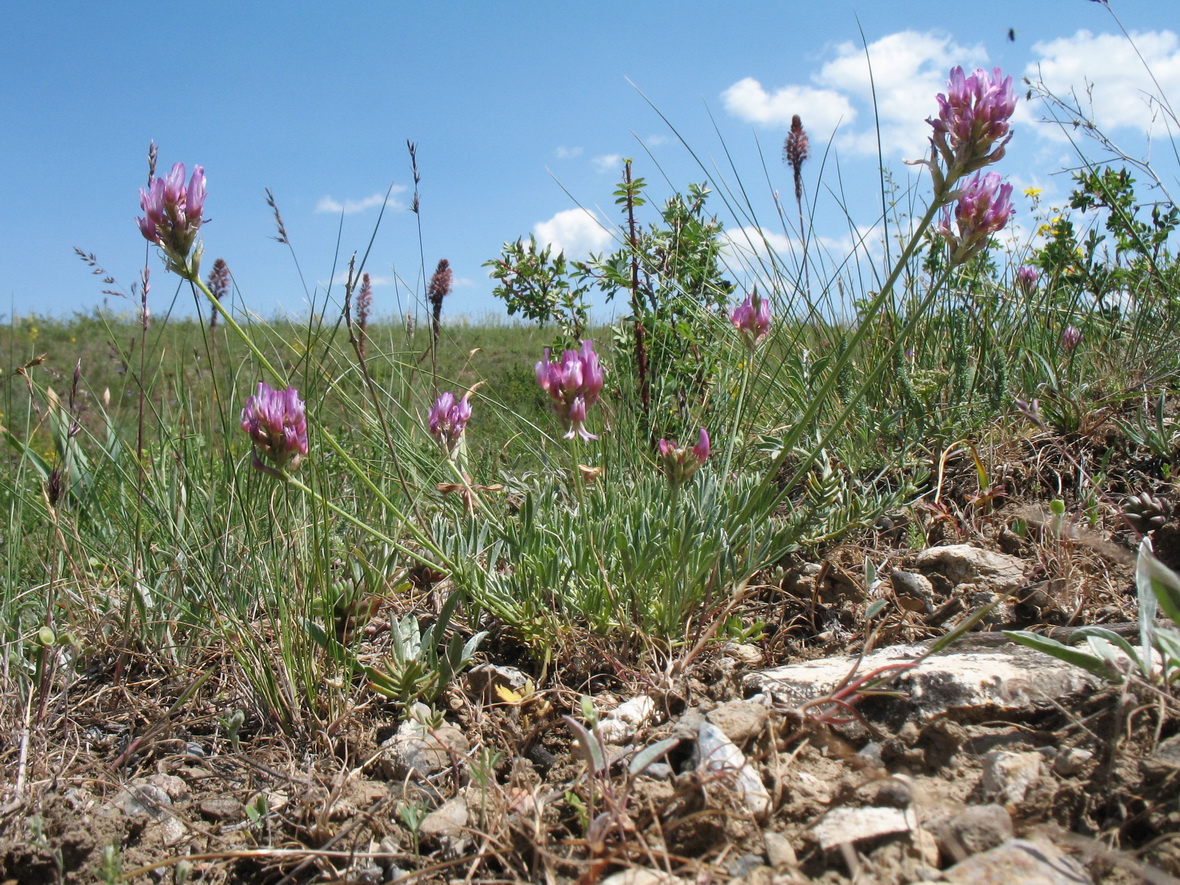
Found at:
(907, 70)
(749, 241)
(576, 232)
(822, 109)
(1108, 77)
(567, 153)
(607, 162)
(341, 279)
(348, 207)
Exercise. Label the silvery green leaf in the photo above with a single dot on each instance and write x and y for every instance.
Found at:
(1091, 663)
(589, 745)
(648, 755)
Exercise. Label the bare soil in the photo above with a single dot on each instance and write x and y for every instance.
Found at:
(126, 775)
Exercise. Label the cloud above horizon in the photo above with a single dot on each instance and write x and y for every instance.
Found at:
(351, 207)
(575, 232)
(607, 163)
(1109, 78)
(907, 70)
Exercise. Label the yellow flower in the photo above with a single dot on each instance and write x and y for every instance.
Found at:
(1033, 192)
(34, 332)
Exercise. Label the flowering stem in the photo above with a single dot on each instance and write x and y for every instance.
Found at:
(370, 530)
(327, 436)
(737, 417)
(941, 198)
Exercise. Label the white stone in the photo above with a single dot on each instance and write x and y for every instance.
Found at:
(1009, 776)
(144, 798)
(964, 564)
(620, 724)
(716, 752)
(847, 825)
(1028, 862)
(1004, 679)
(641, 877)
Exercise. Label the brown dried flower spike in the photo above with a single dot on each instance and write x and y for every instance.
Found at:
(795, 150)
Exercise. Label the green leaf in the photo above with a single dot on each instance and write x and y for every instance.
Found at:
(645, 757)
(1091, 663)
(1164, 583)
(589, 745)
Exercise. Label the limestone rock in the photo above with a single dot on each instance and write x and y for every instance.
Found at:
(1029, 862)
(637, 876)
(448, 821)
(740, 720)
(621, 723)
(1009, 776)
(975, 829)
(715, 752)
(849, 825)
(421, 752)
(964, 564)
(143, 798)
(1004, 679)
(779, 851)
(1165, 760)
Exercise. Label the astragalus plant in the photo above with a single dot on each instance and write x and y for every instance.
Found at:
(232, 528)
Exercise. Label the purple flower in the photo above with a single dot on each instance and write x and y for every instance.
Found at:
(172, 216)
(1071, 337)
(680, 462)
(972, 127)
(1026, 279)
(752, 318)
(277, 424)
(574, 383)
(448, 419)
(984, 207)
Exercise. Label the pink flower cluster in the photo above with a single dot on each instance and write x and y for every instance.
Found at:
(448, 419)
(984, 207)
(574, 383)
(1027, 278)
(680, 462)
(972, 126)
(172, 216)
(1071, 337)
(752, 319)
(277, 424)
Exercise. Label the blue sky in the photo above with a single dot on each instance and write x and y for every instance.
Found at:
(521, 112)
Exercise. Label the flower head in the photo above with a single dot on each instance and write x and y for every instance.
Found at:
(1071, 337)
(972, 126)
(573, 383)
(172, 217)
(795, 150)
(1026, 278)
(680, 462)
(984, 207)
(752, 318)
(277, 424)
(448, 419)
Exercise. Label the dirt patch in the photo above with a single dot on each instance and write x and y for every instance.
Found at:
(118, 783)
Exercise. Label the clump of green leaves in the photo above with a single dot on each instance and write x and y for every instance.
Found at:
(1107, 654)
(419, 664)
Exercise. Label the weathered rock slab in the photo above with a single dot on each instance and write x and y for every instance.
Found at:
(1029, 862)
(964, 564)
(1010, 679)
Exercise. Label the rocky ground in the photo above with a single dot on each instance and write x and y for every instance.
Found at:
(765, 757)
